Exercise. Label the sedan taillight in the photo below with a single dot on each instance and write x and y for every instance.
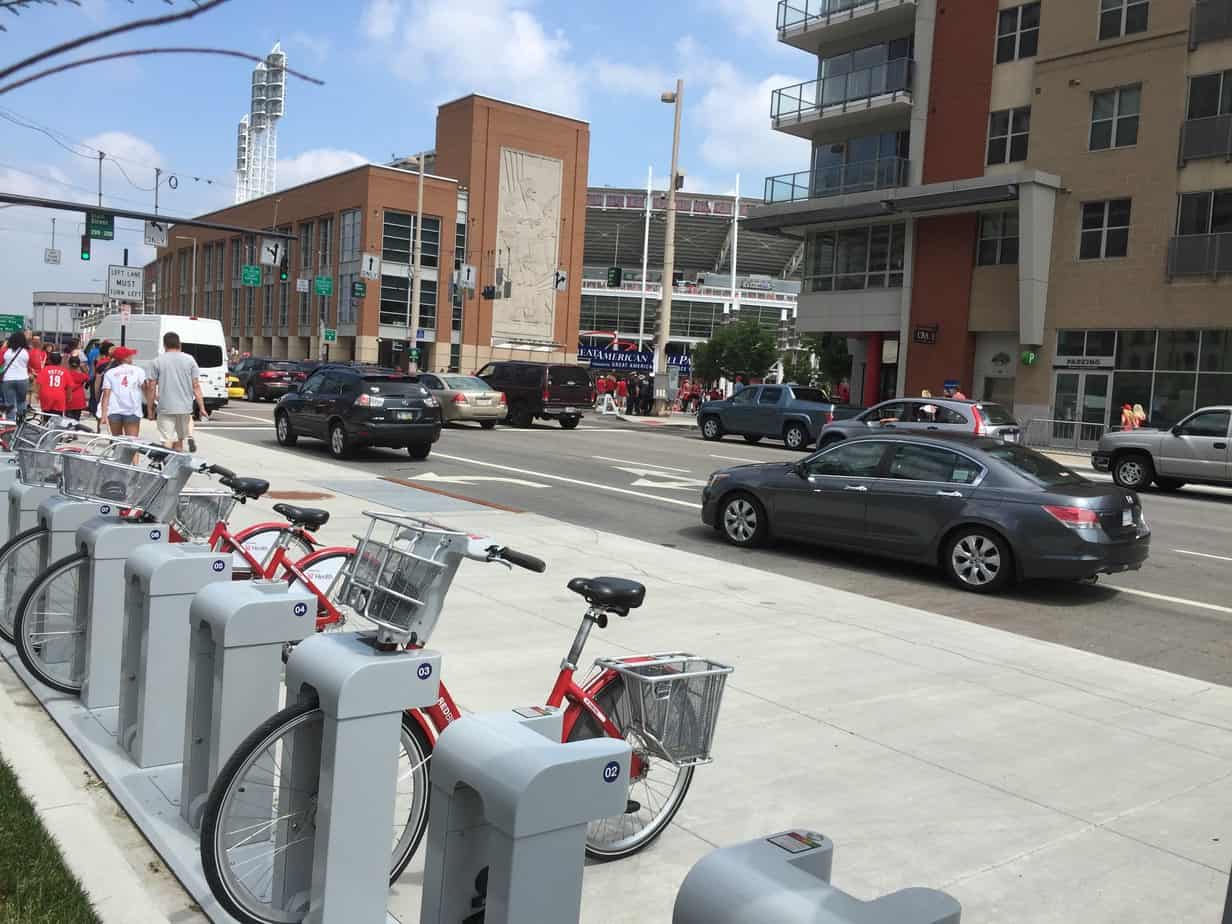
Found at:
(269, 375)
(1073, 517)
(460, 398)
(979, 420)
(502, 397)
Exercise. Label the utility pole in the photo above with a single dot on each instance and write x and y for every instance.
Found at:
(157, 173)
(100, 179)
(412, 333)
(641, 318)
(663, 406)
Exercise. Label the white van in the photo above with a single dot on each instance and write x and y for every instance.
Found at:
(202, 338)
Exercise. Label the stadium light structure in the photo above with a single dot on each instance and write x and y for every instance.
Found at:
(662, 405)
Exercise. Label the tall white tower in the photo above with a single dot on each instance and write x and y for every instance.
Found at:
(256, 163)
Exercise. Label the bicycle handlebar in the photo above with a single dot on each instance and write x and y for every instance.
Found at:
(220, 471)
(522, 560)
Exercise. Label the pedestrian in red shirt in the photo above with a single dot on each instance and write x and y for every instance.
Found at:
(53, 386)
(75, 401)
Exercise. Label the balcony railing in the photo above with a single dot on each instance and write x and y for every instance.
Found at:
(1206, 137)
(861, 176)
(1209, 21)
(655, 290)
(842, 92)
(1200, 255)
(796, 14)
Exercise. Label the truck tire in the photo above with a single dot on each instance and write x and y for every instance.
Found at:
(712, 429)
(795, 436)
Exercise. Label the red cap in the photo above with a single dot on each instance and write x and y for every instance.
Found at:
(123, 352)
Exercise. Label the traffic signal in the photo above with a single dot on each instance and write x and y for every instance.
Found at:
(615, 276)
(85, 247)
(283, 275)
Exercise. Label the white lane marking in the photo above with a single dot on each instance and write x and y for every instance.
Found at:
(473, 479)
(1167, 599)
(219, 428)
(650, 465)
(576, 481)
(245, 416)
(1203, 554)
(646, 476)
(738, 459)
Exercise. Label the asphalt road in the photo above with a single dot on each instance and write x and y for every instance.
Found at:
(1174, 614)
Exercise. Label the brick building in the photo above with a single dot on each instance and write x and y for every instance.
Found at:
(504, 206)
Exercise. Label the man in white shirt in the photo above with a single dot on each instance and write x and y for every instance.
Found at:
(121, 407)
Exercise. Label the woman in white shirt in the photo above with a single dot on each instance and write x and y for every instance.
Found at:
(16, 382)
(123, 398)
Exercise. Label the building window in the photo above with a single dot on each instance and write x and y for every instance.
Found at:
(395, 296)
(1008, 130)
(998, 238)
(398, 239)
(235, 309)
(305, 245)
(236, 259)
(1105, 229)
(325, 237)
(183, 271)
(323, 310)
(250, 320)
(304, 320)
(267, 312)
(1122, 17)
(455, 357)
(1114, 118)
(349, 241)
(346, 300)
(1205, 212)
(282, 305)
(1210, 95)
(856, 258)
(1018, 32)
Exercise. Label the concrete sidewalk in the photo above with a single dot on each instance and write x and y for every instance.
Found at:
(1037, 783)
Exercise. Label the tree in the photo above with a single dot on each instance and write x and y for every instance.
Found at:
(798, 367)
(833, 360)
(741, 348)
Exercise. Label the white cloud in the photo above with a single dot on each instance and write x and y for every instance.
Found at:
(128, 148)
(627, 78)
(381, 18)
(314, 164)
(317, 47)
(751, 17)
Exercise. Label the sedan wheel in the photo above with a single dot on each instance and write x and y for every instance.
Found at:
(978, 560)
(742, 520)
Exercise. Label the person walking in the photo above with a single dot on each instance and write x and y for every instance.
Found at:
(16, 380)
(123, 386)
(101, 361)
(622, 394)
(174, 387)
(53, 386)
(75, 402)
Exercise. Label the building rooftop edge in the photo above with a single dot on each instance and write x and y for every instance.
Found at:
(509, 102)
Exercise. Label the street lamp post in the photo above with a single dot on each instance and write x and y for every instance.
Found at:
(412, 331)
(663, 406)
(192, 293)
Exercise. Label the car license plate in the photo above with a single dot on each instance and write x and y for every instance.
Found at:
(405, 415)
(1011, 437)
(1127, 518)
(483, 401)
(570, 410)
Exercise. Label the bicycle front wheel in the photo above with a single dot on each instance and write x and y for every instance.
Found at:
(50, 626)
(656, 792)
(20, 559)
(324, 571)
(261, 812)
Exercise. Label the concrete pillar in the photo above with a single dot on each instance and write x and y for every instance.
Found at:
(925, 25)
(1036, 211)
(872, 371)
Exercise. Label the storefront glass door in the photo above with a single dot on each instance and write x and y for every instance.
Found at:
(1080, 408)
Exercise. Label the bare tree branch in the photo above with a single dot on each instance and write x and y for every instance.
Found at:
(140, 52)
(16, 6)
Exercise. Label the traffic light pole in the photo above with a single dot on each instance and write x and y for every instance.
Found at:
(662, 405)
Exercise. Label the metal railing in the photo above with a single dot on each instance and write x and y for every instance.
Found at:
(843, 92)
(1200, 255)
(1210, 136)
(794, 14)
(1074, 435)
(655, 290)
(835, 180)
(1209, 21)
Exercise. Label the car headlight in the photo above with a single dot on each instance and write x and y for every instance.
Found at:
(716, 477)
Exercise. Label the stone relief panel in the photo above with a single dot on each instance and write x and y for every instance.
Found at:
(527, 245)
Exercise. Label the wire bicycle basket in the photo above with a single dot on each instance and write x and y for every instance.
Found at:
(198, 512)
(400, 574)
(673, 702)
(128, 474)
(41, 453)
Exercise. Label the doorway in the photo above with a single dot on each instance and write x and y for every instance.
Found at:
(1080, 408)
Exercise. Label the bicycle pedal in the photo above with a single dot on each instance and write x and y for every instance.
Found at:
(632, 807)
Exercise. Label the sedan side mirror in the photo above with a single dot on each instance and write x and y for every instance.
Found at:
(1177, 430)
(801, 470)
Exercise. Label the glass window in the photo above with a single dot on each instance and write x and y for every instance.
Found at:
(998, 242)
(928, 463)
(349, 242)
(1130, 388)
(397, 237)
(1018, 32)
(1008, 133)
(816, 395)
(1105, 229)
(1114, 117)
(1210, 95)
(1071, 343)
(745, 396)
(1214, 389)
(1207, 423)
(314, 382)
(305, 245)
(1035, 466)
(1122, 17)
(770, 395)
(394, 300)
(891, 410)
(1101, 343)
(1173, 398)
(466, 383)
(325, 238)
(855, 258)
(1178, 350)
(851, 460)
(1217, 351)
(1193, 216)
(1135, 349)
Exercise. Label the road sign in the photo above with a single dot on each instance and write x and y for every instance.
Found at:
(125, 283)
(370, 267)
(325, 285)
(100, 226)
(331, 335)
(562, 280)
(10, 323)
(397, 345)
(414, 354)
(126, 313)
(359, 289)
(303, 284)
(273, 249)
(421, 334)
(250, 274)
(156, 233)
(51, 255)
(468, 277)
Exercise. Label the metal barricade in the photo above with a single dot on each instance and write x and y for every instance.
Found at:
(1073, 435)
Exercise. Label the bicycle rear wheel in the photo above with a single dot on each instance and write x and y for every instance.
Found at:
(655, 793)
(257, 815)
(20, 559)
(50, 626)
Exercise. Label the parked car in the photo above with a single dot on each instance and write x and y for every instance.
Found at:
(304, 368)
(234, 388)
(262, 378)
(537, 390)
(986, 511)
(928, 415)
(1195, 451)
(350, 407)
(794, 414)
(465, 397)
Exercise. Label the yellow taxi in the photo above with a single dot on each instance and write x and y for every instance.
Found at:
(234, 389)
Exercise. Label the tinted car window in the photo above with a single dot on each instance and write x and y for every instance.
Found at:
(335, 383)
(314, 382)
(854, 460)
(810, 394)
(466, 383)
(207, 355)
(996, 415)
(430, 381)
(527, 375)
(896, 410)
(1207, 423)
(392, 385)
(279, 366)
(770, 396)
(571, 376)
(1036, 466)
(745, 396)
(930, 463)
(490, 371)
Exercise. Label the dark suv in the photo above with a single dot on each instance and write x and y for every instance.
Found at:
(349, 407)
(538, 390)
(262, 378)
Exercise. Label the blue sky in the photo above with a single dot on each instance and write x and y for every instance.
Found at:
(386, 64)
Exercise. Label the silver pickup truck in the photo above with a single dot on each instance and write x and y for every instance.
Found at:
(1195, 451)
(794, 414)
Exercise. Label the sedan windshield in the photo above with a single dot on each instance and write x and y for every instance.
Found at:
(1036, 466)
(465, 383)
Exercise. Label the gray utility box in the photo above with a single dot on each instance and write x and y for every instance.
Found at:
(62, 517)
(237, 633)
(785, 879)
(510, 805)
(24, 500)
(160, 582)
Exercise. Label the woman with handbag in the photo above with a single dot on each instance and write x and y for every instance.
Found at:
(15, 382)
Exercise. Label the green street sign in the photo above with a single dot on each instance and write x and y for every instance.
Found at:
(100, 226)
(325, 285)
(250, 274)
(415, 355)
(359, 289)
(331, 335)
(10, 323)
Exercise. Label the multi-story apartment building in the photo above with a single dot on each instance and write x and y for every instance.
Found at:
(1031, 199)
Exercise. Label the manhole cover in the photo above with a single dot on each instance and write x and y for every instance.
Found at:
(297, 495)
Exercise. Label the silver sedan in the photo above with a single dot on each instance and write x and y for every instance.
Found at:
(465, 397)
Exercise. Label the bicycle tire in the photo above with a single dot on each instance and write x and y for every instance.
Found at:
(49, 627)
(12, 583)
(232, 784)
(609, 700)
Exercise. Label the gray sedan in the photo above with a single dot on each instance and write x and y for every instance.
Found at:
(465, 397)
(928, 415)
